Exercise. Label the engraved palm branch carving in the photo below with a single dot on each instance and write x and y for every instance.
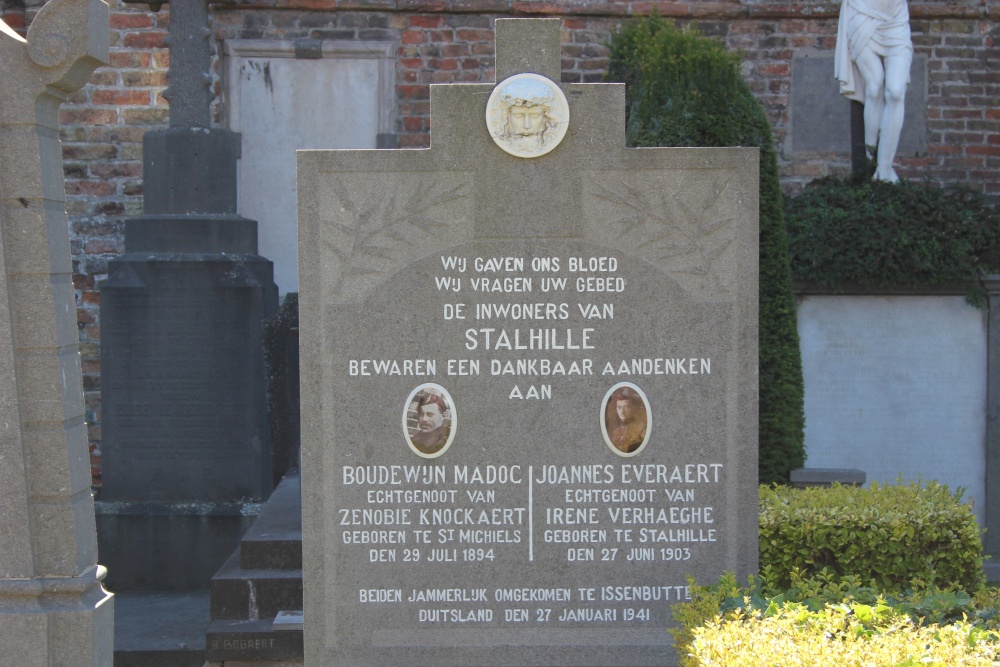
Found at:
(673, 229)
(373, 234)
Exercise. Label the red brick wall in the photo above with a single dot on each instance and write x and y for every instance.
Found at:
(963, 100)
(443, 41)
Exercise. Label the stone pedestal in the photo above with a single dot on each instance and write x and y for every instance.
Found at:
(53, 608)
(194, 170)
(804, 478)
(257, 595)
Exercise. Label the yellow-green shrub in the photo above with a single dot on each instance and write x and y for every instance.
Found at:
(729, 600)
(891, 537)
(846, 635)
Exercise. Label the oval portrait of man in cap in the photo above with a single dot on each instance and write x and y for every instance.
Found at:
(626, 419)
(429, 420)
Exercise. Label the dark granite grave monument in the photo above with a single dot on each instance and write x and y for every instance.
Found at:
(530, 407)
(259, 589)
(186, 456)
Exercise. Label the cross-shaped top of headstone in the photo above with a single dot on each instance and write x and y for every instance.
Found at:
(479, 191)
(489, 291)
(189, 75)
(190, 167)
(190, 81)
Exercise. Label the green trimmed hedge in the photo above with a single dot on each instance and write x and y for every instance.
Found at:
(684, 89)
(892, 537)
(726, 624)
(813, 598)
(902, 560)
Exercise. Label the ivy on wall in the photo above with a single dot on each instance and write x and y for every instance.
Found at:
(872, 234)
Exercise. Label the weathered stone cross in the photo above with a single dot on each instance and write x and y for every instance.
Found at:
(189, 78)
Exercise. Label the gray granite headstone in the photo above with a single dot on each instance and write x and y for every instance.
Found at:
(509, 302)
(820, 117)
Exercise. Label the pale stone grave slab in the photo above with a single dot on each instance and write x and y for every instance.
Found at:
(53, 607)
(337, 94)
(890, 378)
(529, 379)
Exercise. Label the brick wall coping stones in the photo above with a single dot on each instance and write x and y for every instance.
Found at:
(733, 10)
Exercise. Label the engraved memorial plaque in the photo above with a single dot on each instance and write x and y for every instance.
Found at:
(529, 386)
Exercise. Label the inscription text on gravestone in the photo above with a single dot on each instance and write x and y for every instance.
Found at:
(524, 424)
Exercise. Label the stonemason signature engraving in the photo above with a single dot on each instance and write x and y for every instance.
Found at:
(527, 115)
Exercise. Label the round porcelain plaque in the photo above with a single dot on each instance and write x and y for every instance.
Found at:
(527, 115)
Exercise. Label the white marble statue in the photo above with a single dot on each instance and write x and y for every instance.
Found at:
(872, 63)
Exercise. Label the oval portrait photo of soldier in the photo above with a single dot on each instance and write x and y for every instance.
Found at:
(626, 419)
(429, 419)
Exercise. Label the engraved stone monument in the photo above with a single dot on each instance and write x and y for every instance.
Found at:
(185, 447)
(53, 607)
(529, 402)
